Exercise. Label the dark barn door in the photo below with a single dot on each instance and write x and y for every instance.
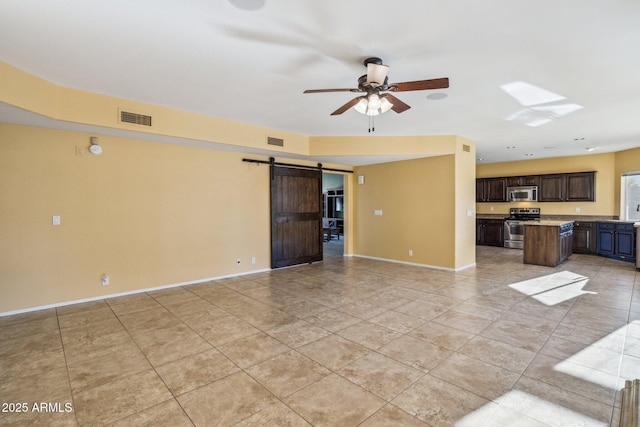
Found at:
(296, 216)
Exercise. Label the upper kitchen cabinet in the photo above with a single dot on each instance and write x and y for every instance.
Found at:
(581, 187)
(491, 190)
(519, 181)
(557, 187)
(552, 188)
(568, 187)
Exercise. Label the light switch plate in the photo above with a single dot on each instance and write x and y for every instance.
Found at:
(55, 220)
(378, 212)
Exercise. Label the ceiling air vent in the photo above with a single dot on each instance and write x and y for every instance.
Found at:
(275, 141)
(135, 118)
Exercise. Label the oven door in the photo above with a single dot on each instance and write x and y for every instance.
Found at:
(514, 234)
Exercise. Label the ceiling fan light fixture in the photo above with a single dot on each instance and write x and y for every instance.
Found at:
(361, 106)
(373, 105)
(385, 105)
(374, 101)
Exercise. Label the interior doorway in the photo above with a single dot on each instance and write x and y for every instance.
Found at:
(333, 215)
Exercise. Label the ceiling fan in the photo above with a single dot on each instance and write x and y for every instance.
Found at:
(375, 84)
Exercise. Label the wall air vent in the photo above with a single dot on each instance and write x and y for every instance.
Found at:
(466, 148)
(275, 141)
(135, 118)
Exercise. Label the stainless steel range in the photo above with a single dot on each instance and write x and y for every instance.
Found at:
(514, 226)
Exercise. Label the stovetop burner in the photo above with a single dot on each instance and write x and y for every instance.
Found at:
(524, 214)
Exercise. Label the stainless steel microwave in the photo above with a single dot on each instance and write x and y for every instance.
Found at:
(523, 194)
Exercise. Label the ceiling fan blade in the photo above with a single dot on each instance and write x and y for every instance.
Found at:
(376, 73)
(420, 85)
(398, 106)
(346, 106)
(330, 90)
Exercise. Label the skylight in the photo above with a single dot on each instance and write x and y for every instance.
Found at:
(541, 105)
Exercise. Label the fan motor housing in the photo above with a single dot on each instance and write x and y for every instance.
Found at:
(367, 87)
(372, 60)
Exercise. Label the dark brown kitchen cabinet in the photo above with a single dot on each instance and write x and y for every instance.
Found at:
(547, 244)
(491, 190)
(580, 187)
(558, 187)
(567, 187)
(479, 190)
(489, 232)
(552, 188)
(517, 181)
(584, 237)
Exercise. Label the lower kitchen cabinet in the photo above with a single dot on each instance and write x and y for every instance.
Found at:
(547, 245)
(489, 232)
(584, 238)
(616, 240)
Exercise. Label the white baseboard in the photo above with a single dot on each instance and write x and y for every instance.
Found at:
(415, 264)
(122, 294)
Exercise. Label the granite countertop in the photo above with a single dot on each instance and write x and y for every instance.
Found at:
(586, 218)
(550, 223)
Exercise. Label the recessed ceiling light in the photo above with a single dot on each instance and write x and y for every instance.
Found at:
(579, 139)
(590, 148)
(510, 147)
(529, 154)
(437, 96)
(480, 159)
(248, 4)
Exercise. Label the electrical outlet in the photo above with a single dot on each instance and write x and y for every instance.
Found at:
(253, 260)
(410, 252)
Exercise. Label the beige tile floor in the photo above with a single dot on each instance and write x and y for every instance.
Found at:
(346, 342)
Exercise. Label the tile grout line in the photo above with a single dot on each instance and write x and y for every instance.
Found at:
(66, 364)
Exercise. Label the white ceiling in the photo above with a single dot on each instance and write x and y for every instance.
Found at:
(212, 58)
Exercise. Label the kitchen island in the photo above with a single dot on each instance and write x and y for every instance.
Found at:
(547, 242)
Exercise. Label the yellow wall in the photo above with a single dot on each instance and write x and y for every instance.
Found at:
(147, 214)
(465, 197)
(432, 145)
(427, 204)
(31, 93)
(604, 164)
(416, 198)
(421, 210)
